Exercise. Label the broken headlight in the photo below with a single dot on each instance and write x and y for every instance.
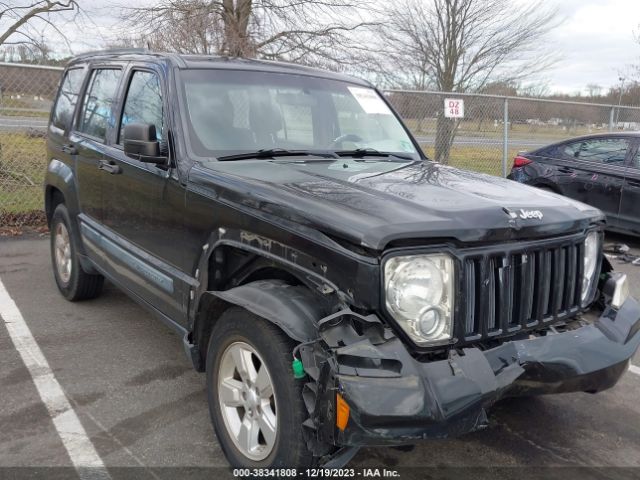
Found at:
(419, 296)
(591, 256)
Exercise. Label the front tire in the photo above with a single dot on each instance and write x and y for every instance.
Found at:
(256, 405)
(73, 282)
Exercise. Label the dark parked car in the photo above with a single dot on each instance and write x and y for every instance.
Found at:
(602, 170)
(337, 288)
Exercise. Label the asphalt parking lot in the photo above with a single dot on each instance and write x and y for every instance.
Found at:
(141, 404)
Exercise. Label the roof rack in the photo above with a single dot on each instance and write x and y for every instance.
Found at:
(113, 51)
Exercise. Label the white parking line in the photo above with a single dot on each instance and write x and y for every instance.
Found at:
(634, 369)
(74, 437)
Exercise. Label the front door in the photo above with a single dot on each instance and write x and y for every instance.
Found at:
(143, 203)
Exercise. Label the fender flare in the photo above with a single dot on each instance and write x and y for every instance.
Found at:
(294, 309)
(60, 176)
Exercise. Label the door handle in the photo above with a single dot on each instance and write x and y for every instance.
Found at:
(69, 148)
(109, 167)
(631, 183)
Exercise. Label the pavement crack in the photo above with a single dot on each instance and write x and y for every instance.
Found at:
(537, 446)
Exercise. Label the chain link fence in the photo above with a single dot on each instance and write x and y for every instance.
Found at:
(26, 97)
(491, 132)
(494, 128)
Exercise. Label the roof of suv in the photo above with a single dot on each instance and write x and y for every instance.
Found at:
(212, 62)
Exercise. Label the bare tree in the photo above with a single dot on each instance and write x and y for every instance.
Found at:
(462, 45)
(536, 90)
(19, 22)
(594, 90)
(37, 51)
(308, 31)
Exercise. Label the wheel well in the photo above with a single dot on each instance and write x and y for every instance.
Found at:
(230, 267)
(212, 307)
(271, 273)
(53, 197)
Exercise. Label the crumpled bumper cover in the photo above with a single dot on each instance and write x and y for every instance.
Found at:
(396, 399)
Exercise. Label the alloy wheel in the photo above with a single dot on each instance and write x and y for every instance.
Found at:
(247, 401)
(62, 252)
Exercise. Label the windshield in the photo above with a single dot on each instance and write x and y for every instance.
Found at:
(230, 112)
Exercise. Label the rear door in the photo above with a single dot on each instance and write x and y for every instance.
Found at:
(87, 140)
(62, 115)
(629, 215)
(593, 171)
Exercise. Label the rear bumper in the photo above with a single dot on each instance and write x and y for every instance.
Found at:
(395, 399)
(518, 174)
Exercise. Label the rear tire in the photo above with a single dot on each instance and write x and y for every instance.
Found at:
(73, 282)
(232, 394)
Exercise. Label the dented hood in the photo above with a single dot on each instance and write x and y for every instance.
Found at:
(373, 202)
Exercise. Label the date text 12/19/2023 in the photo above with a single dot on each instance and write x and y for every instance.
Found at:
(316, 473)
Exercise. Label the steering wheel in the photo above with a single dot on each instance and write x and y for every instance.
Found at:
(347, 137)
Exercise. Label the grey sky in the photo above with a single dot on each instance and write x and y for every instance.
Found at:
(594, 42)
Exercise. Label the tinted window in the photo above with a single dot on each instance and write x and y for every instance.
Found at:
(100, 95)
(604, 150)
(143, 103)
(67, 98)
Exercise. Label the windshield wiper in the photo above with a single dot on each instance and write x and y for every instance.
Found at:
(281, 152)
(370, 152)
(277, 152)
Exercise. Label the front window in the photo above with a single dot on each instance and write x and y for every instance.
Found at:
(143, 103)
(232, 112)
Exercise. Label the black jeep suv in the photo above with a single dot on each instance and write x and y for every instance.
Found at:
(338, 288)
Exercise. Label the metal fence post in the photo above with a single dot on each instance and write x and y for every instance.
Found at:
(611, 115)
(505, 139)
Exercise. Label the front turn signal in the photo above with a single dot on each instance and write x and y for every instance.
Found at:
(342, 412)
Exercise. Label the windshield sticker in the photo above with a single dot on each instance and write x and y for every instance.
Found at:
(369, 100)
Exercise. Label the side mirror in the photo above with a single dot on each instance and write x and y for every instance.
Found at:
(141, 143)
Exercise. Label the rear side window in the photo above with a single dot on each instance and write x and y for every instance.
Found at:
(67, 98)
(143, 103)
(96, 112)
(611, 151)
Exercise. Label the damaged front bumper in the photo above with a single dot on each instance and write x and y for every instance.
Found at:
(396, 399)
